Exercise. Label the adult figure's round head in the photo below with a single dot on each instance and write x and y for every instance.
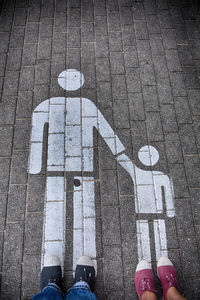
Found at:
(148, 155)
(71, 80)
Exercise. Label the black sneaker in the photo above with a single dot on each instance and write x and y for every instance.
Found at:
(51, 272)
(85, 271)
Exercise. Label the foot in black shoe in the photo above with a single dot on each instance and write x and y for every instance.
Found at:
(51, 272)
(85, 271)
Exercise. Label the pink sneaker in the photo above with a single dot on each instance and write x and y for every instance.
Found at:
(167, 275)
(144, 280)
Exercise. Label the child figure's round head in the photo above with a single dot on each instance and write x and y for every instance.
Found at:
(148, 155)
(71, 80)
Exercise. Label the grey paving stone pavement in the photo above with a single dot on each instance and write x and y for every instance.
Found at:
(141, 62)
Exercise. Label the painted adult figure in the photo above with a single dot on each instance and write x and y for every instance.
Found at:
(70, 149)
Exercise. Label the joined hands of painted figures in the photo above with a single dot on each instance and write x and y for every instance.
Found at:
(70, 149)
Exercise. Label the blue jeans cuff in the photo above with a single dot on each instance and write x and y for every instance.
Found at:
(81, 285)
(53, 286)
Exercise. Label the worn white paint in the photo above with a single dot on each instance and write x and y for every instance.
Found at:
(160, 238)
(70, 149)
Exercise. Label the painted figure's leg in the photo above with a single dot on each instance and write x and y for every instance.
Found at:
(53, 242)
(84, 226)
(160, 238)
(143, 241)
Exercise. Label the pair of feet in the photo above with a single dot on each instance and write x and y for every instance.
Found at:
(52, 272)
(144, 278)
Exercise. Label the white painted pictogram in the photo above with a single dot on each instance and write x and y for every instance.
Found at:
(70, 149)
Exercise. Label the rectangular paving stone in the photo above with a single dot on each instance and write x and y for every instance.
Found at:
(112, 268)
(147, 73)
(16, 203)
(130, 57)
(32, 33)
(27, 78)
(4, 175)
(150, 7)
(160, 66)
(173, 62)
(11, 281)
(13, 244)
(73, 37)
(20, 17)
(87, 32)
(104, 95)
(19, 167)
(192, 170)
(173, 148)
(73, 59)
(184, 221)
(29, 54)
(110, 225)
(74, 19)
(177, 173)
(44, 49)
(10, 86)
(117, 63)
(17, 37)
(165, 18)
(133, 80)
(31, 270)
(178, 85)
(102, 69)
(115, 41)
(36, 193)
(46, 27)
(194, 101)
(6, 136)
(102, 46)
(24, 104)
(188, 141)
(169, 38)
(139, 135)
(171, 230)
(190, 262)
(57, 63)
(136, 106)
(126, 16)
(87, 11)
(14, 59)
(114, 21)
(59, 42)
(141, 31)
(119, 87)
(89, 73)
(7, 110)
(168, 116)
(191, 78)
(138, 11)
(127, 214)
(128, 35)
(182, 110)
(33, 14)
(180, 34)
(185, 55)
(33, 234)
(109, 183)
(60, 21)
(121, 114)
(164, 91)
(150, 98)
(100, 25)
(22, 134)
(88, 53)
(42, 72)
(6, 20)
(153, 24)
(154, 127)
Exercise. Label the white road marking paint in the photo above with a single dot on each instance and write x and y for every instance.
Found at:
(84, 237)
(143, 241)
(160, 238)
(70, 148)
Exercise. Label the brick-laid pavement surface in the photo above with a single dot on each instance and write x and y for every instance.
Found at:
(141, 62)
